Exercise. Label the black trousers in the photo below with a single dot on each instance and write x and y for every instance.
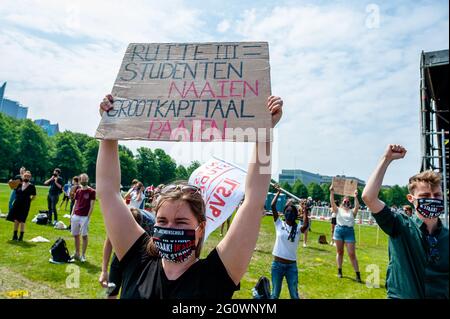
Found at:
(52, 200)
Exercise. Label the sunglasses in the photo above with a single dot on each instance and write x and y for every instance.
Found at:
(433, 251)
(182, 188)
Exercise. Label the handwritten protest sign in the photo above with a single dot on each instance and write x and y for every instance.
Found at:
(222, 186)
(344, 186)
(191, 92)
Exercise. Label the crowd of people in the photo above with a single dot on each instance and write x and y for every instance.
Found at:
(155, 235)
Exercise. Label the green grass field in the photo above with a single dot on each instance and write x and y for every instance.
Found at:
(317, 268)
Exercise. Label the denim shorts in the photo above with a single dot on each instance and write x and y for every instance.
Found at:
(344, 233)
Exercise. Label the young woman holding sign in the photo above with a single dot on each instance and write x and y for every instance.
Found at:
(167, 265)
(285, 249)
(344, 232)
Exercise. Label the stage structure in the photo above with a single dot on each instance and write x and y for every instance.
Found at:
(435, 116)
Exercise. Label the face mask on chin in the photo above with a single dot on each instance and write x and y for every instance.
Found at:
(174, 245)
(429, 207)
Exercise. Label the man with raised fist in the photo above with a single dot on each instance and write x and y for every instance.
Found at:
(418, 245)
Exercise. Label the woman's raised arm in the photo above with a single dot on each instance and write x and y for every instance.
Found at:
(236, 249)
(121, 228)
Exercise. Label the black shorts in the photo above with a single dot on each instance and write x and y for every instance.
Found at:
(333, 221)
(115, 276)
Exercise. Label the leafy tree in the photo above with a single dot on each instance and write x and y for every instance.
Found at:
(315, 191)
(299, 189)
(8, 149)
(80, 139)
(167, 166)
(286, 186)
(147, 166)
(90, 158)
(33, 149)
(128, 167)
(192, 167)
(68, 157)
(326, 191)
(181, 173)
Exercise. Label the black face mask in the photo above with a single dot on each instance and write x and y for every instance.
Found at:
(175, 245)
(347, 204)
(26, 180)
(430, 207)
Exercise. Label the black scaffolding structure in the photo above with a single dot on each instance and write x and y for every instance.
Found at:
(434, 116)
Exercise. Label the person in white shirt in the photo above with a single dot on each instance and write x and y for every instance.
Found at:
(136, 196)
(285, 249)
(344, 232)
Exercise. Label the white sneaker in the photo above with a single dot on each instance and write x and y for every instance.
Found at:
(304, 245)
(83, 259)
(76, 257)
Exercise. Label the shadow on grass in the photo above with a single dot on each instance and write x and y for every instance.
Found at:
(315, 248)
(23, 244)
(91, 268)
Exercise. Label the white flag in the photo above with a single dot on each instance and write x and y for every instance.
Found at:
(223, 187)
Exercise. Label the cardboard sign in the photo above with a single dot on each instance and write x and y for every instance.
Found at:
(344, 186)
(223, 187)
(14, 183)
(191, 92)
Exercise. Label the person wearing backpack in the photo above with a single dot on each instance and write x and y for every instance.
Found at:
(81, 214)
(285, 249)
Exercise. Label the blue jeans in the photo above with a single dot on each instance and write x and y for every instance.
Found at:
(344, 233)
(290, 271)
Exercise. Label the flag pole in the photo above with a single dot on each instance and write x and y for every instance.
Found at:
(273, 184)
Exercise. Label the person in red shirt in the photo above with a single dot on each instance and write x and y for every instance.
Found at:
(81, 214)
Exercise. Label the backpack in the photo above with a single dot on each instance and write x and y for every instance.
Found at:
(322, 240)
(42, 217)
(262, 289)
(59, 251)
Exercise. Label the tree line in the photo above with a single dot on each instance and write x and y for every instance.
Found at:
(24, 143)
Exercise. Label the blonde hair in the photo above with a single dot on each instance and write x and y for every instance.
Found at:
(430, 177)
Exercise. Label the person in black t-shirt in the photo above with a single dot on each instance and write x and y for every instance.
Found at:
(56, 185)
(13, 183)
(167, 265)
(113, 280)
(25, 193)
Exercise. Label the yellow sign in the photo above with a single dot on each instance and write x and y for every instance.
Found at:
(15, 294)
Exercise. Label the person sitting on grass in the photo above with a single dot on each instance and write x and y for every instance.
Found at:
(418, 245)
(81, 214)
(167, 265)
(344, 232)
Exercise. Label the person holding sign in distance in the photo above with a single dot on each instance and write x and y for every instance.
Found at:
(285, 249)
(167, 265)
(418, 245)
(344, 232)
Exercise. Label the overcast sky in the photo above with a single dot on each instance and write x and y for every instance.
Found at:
(348, 71)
